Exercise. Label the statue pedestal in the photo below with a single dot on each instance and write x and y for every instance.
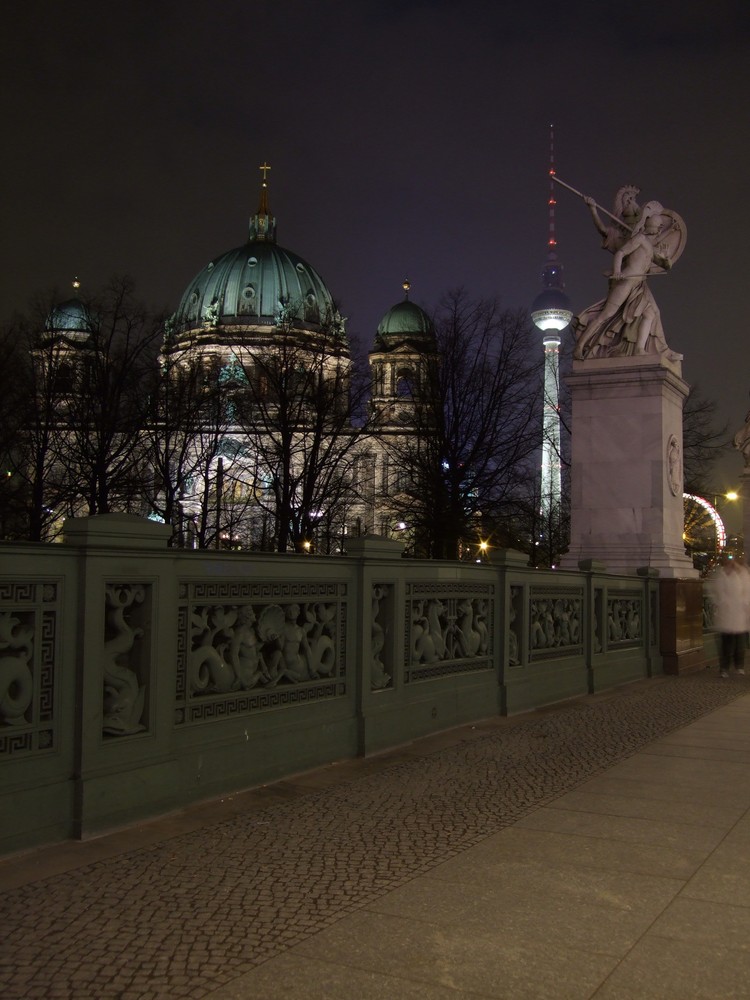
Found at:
(626, 474)
(681, 626)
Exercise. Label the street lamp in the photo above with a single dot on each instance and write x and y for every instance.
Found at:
(730, 495)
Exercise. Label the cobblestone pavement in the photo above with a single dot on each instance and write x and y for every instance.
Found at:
(192, 912)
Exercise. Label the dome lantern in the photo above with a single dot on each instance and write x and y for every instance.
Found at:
(70, 320)
(263, 224)
(247, 292)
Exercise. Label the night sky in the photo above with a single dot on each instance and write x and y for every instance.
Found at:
(406, 138)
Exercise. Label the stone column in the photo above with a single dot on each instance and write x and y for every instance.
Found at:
(626, 476)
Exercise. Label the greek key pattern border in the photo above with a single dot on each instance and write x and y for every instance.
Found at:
(34, 607)
(226, 707)
(446, 669)
(231, 591)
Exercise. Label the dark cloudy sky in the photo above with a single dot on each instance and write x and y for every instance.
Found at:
(405, 138)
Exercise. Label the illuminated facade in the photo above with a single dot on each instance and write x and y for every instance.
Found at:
(261, 299)
(257, 356)
(401, 360)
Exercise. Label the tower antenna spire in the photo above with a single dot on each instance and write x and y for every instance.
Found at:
(552, 240)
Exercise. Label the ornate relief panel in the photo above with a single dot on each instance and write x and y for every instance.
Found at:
(449, 629)
(599, 619)
(29, 615)
(515, 624)
(246, 647)
(127, 656)
(381, 665)
(625, 620)
(555, 622)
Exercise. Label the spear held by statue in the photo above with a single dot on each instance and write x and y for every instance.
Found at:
(671, 237)
(596, 204)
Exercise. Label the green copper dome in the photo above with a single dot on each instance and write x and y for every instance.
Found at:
(258, 284)
(70, 322)
(69, 317)
(405, 322)
(405, 318)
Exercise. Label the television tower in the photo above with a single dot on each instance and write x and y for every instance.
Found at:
(551, 314)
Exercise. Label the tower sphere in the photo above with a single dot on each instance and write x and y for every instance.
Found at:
(551, 310)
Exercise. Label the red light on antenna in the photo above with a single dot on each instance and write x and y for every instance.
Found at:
(552, 243)
(551, 170)
(552, 201)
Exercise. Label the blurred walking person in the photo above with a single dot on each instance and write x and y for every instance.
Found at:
(729, 591)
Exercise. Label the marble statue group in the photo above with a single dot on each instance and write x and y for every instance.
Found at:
(645, 241)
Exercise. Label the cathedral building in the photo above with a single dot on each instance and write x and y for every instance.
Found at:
(288, 447)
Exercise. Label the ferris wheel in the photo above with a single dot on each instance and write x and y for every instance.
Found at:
(700, 517)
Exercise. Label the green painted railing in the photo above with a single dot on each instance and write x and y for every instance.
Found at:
(135, 679)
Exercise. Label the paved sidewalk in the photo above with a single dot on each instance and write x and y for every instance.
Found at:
(597, 849)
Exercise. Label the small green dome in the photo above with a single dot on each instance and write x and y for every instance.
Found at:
(70, 317)
(405, 319)
(405, 325)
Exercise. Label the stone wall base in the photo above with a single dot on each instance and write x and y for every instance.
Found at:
(681, 626)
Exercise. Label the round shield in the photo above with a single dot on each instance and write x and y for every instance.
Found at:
(671, 240)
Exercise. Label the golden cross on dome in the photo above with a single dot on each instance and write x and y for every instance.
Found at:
(265, 167)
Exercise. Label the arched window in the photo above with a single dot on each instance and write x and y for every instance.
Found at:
(404, 383)
(64, 378)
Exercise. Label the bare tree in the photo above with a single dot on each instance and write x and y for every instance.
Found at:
(26, 428)
(465, 466)
(703, 441)
(184, 424)
(541, 529)
(295, 401)
(217, 518)
(104, 448)
(39, 381)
